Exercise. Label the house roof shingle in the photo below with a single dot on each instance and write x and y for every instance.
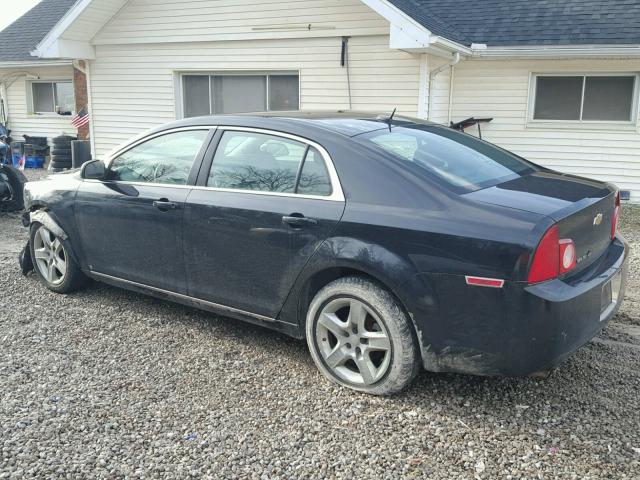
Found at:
(529, 22)
(22, 36)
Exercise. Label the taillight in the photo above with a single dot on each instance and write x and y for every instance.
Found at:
(546, 260)
(615, 219)
(552, 258)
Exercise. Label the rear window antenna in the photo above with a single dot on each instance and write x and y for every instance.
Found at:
(390, 119)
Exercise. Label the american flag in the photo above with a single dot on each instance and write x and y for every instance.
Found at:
(82, 118)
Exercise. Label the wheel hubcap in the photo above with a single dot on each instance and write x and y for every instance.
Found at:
(353, 341)
(50, 256)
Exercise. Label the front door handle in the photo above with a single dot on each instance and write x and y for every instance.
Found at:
(298, 220)
(164, 205)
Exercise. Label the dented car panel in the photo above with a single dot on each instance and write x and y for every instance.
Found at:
(233, 252)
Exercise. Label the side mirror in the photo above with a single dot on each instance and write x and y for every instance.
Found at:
(93, 170)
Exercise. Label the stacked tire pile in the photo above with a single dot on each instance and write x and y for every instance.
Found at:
(61, 153)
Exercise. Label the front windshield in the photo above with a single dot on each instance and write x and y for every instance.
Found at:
(463, 162)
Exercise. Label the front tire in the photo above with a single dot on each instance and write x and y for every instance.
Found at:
(56, 268)
(360, 337)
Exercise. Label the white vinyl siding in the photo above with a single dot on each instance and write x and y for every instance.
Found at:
(135, 87)
(501, 89)
(22, 121)
(162, 21)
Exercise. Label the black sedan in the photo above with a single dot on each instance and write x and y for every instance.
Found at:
(388, 243)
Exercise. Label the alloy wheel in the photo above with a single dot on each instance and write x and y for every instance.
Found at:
(50, 256)
(353, 341)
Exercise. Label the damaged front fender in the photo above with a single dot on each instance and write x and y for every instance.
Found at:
(43, 217)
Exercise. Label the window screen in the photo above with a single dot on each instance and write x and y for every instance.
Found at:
(65, 102)
(165, 159)
(608, 98)
(54, 97)
(196, 96)
(227, 94)
(558, 98)
(43, 97)
(239, 94)
(283, 92)
(599, 98)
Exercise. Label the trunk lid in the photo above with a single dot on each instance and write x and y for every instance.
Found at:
(582, 208)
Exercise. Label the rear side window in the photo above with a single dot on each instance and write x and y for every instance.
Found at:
(268, 163)
(458, 160)
(165, 159)
(314, 177)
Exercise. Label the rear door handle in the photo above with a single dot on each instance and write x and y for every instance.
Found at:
(298, 220)
(164, 205)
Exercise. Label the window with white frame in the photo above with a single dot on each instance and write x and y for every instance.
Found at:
(209, 94)
(52, 97)
(584, 98)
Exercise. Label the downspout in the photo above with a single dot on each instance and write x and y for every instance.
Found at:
(451, 75)
(437, 71)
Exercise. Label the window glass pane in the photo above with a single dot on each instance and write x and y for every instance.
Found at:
(166, 159)
(254, 161)
(196, 95)
(558, 98)
(456, 159)
(239, 94)
(314, 178)
(283, 92)
(65, 102)
(608, 98)
(42, 97)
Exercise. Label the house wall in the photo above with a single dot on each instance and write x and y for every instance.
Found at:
(135, 87)
(21, 120)
(500, 89)
(163, 21)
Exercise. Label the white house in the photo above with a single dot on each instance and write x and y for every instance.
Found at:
(36, 95)
(560, 78)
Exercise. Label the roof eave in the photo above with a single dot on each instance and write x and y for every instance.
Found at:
(556, 51)
(33, 63)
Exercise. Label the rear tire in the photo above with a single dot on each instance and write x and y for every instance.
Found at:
(360, 337)
(52, 263)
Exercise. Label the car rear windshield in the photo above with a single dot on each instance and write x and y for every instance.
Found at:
(460, 161)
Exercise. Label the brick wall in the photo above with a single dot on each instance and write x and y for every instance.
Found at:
(82, 98)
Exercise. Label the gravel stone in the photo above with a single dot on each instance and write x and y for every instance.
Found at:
(106, 383)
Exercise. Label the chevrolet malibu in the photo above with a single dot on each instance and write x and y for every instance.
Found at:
(389, 244)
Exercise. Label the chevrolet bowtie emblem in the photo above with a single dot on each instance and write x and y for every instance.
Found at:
(597, 219)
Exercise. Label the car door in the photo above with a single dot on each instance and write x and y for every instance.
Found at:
(130, 224)
(257, 215)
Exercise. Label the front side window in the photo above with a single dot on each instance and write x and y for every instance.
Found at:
(268, 163)
(584, 98)
(53, 97)
(225, 94)
(458, 160)
(166, 159)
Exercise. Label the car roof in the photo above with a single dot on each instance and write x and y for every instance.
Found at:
(347, 123)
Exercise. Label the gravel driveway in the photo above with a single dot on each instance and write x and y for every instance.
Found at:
(106, 383)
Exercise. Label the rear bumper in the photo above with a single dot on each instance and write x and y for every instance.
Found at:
(521, 329)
